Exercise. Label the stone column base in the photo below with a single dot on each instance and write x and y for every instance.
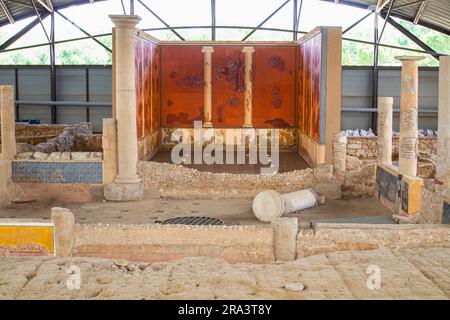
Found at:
(124, 191)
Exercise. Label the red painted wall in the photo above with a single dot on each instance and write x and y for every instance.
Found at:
(148, 93)
(273, 86)
(308, 82)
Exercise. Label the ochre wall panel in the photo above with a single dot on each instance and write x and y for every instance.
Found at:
(227, 85)
(138, 82)
(148, 92)
(182, 85)
(273, 86)
(308, 82)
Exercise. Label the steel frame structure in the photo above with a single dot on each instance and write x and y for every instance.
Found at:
(44, 9)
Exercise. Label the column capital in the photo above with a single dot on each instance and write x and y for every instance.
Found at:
(207, 49)
(409, 58)
(248, 50)
(383, 100)
(124, 21)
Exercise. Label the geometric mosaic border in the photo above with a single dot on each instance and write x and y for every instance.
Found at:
(57, 172)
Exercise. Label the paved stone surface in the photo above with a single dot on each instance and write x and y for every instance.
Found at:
(405, 274)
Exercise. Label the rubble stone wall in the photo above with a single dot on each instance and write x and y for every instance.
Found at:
(326, 238)
(365, 148)
(176, 181)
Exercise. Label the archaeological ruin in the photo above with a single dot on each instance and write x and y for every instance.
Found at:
(246, 151)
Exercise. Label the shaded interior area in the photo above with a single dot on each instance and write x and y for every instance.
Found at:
(287, 161)
(231, 211)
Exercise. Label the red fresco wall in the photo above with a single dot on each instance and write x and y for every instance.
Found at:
(308, 81)
(273, 86)
(147, 64)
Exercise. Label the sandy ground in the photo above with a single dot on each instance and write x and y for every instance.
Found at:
(405, 274)
(231, 211)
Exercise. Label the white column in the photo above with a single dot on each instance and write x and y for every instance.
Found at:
(125, 98)
(207, 122)
(409, 97)
(8, 122)
(384, 152)
(248, 94)
(127, 185)
(443, 149)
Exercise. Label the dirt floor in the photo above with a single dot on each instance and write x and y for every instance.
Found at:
(404, 274)
(231, 211)
(288, 161)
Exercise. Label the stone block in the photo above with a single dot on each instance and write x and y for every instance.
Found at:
(124, 191)
(40, 155)
(285, 238)
(64, 222)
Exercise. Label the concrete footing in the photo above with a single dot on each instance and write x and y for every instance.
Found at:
(124, 191)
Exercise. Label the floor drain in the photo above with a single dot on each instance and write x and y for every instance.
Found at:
(193, 221)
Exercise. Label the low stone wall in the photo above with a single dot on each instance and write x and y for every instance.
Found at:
(92, 143)
(59, 137)
(359, 178)
(329, 237)
(176, 181)
(55, 156)
(170, 242)
(432, 203)
(366, 147)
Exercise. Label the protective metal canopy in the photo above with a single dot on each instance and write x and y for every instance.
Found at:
(433, 14)
(15, 10)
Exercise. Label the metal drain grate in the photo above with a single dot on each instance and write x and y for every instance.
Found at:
(193, 221)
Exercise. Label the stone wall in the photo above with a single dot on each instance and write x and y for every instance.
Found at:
(329, 237)
(169, 242)
(56, 137)
(432, 201)
(366, 147)
(169, 180)
(56, 156)
(361, 153)
(359, 178)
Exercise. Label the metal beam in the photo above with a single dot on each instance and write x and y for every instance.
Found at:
(6, 11)
(385, 20)
(298, 16)
(131, 7)
(420, 12)
(381, 4)
(47, 4)
(20, 3)
(19, 34)
(357, 22)
(123, 7)
(373, 118)
(213, 20)
(53, 68)
(82, 30)
(408, 4)
(265, 20)
(294, 20)
(40, 20)
(413, 38)
(161, 20)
